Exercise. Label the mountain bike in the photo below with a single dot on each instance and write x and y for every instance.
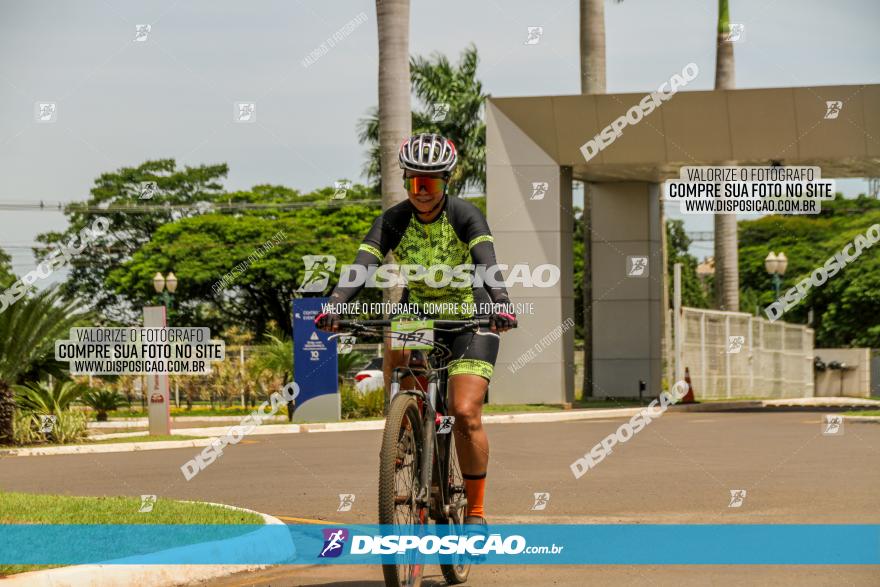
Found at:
(419, 474)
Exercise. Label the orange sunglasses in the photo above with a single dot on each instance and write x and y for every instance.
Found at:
(432, 185)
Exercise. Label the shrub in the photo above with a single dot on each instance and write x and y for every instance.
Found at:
(26, 428)
(361, 405)
(69, 426)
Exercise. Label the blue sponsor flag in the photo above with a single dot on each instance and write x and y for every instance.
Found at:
(315, 369)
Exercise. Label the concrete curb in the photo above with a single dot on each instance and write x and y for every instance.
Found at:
(796, 402)
(149, 575)
(74, 449)
(143, 422)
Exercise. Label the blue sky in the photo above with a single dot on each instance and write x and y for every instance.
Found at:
(122, 102)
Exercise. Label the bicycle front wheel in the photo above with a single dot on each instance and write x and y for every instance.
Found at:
(399, 474)
(455, 571)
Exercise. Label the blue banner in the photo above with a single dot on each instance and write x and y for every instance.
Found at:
(315, 369)
(648, 544)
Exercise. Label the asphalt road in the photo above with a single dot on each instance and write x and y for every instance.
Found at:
(680, 469)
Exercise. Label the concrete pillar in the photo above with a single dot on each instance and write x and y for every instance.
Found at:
(530, 215)
(627, 317)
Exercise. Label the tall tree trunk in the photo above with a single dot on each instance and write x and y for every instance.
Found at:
(395, 114)
(726, 246)
(726, 262)
(7, 413)
(592, 33)
(592, 45)
(725, 76)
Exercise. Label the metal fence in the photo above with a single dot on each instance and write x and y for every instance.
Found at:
(732, 354)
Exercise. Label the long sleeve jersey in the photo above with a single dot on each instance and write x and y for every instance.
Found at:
(459, 235)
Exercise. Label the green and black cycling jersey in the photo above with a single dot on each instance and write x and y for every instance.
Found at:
(459, 235)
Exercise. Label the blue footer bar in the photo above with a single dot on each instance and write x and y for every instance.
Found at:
(666, 544)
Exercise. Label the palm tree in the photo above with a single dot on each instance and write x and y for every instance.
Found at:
(392, 23)
(726, 248)
(28, 330)
(347, 362)
(437, 81)
(392, 19)
(45, 399)
(277, 357)
(102, 401)
(725, 75)
(592, 37)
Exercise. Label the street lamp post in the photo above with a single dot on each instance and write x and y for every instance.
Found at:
(776, 265)
(165, 287)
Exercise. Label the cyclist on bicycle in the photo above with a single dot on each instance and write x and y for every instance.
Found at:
(427, 229)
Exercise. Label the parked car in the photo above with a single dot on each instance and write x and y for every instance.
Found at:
(370, 377)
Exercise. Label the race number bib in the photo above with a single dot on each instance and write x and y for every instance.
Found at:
(412, 334)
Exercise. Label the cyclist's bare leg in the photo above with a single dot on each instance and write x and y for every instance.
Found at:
(466, 393)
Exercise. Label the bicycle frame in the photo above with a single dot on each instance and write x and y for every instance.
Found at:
(435, 451)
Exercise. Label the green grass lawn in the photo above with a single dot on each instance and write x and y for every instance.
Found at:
(28, 508)
(862, 413)
(195, 412)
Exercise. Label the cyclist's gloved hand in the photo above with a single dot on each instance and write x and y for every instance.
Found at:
(327, 321)
(503, 317)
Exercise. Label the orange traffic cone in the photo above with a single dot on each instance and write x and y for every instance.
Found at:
(689, 396)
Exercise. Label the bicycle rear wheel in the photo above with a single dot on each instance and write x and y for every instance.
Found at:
(399, 469)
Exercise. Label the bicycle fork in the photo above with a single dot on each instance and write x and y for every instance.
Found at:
(429, 437)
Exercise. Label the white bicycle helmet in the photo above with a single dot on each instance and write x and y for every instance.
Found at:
(429, 153)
